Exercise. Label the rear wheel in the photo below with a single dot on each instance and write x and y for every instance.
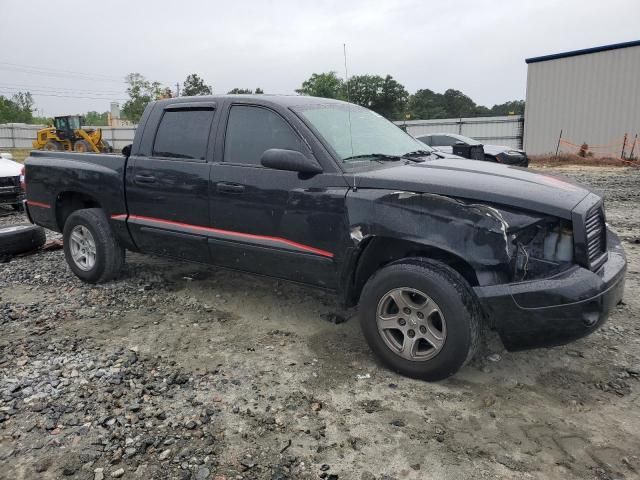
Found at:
(421, 318)
(90, 247)
(82, 146)
(53, 146)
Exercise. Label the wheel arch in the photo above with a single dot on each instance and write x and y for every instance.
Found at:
(69, 201)
(378, 252)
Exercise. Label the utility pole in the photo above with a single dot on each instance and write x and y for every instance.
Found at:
(177, 89)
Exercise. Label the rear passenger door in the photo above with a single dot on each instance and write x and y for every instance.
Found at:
(167, 182)
(274, 222)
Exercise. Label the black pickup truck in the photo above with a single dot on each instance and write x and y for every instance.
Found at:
(330, 194)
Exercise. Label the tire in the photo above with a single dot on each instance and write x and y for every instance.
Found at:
(457, 313)
(82, 146)
(52, 146)
(17, 207)
(490, 158)
(20, 239)
(107, 257)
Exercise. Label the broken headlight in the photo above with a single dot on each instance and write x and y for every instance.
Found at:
(542, 249)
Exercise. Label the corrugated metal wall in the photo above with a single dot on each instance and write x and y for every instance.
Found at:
(17, 135)
(592, 98)
(505, 130)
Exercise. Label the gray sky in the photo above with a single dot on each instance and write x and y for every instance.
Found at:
(475, 46)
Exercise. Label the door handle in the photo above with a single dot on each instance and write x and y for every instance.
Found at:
(145, 179)
(224, 187)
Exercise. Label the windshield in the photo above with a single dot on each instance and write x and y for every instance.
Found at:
(369, 133)
(74, 123)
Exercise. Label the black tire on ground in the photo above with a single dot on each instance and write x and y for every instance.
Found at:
(490, 158)
(454, 297)
(53, 146)
(82, 146)
(17, 239)
(109, 256)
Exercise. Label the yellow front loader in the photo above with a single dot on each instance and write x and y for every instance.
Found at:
(67, 134)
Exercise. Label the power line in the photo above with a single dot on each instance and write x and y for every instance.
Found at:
(67, 96)
(32, 88)
(60, 75)
(57, 70)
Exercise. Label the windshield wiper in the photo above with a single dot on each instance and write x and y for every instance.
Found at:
(377, 156)
(419, 153)
(380, 157)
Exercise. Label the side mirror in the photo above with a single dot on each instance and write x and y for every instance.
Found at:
(460, 143)
(280, 159)
(126, 151)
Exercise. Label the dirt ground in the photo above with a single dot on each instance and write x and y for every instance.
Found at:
(181, 371)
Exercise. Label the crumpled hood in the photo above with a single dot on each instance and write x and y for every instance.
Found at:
(480, 181)
(9, 168)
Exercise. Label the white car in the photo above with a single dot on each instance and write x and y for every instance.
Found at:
(11, 192)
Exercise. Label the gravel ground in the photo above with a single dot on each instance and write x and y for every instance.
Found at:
(180, 371)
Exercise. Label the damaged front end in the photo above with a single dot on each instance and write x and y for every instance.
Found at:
(542, 248)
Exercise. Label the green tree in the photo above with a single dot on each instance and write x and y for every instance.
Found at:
(141, 92)
(513, 107)
(194, 85)
(259, 91)
(96, 119)
(458, 104)
(326, 85)
(240, 91)
(18, 109)
(385, 95)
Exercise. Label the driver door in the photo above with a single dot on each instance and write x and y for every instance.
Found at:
(273, 222)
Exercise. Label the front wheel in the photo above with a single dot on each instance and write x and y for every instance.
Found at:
(82, 146)
(421, 318)
(90, 247)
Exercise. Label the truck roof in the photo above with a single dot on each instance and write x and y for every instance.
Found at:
(283, 100)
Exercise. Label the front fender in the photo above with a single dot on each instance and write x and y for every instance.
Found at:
(474, 232)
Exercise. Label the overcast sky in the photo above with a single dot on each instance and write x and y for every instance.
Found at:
(84, 49)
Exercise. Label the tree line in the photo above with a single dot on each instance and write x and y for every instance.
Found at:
(390, 98)
(384, 95)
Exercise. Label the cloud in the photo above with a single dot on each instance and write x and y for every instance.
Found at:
(478, 47)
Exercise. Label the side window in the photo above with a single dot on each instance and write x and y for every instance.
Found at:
(252, 130)
(183, 134)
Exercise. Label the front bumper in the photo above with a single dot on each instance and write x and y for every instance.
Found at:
(11, 195)
(555, 311)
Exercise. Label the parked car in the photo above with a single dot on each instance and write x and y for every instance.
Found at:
(449, 142)
(332, 195)
(10, 191)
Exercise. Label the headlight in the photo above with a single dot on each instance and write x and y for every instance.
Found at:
(543, 249)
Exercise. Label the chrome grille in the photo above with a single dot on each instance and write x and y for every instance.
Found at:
(596, 234)
(9, 181)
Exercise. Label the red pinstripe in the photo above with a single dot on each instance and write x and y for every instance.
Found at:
(38, 204)
(251, 236)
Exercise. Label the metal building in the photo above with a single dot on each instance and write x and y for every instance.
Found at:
(591, 95)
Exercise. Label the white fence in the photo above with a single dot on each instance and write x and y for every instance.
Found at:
(20, 135)
(506, 130)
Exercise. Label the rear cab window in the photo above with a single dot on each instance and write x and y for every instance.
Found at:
(183, 134)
